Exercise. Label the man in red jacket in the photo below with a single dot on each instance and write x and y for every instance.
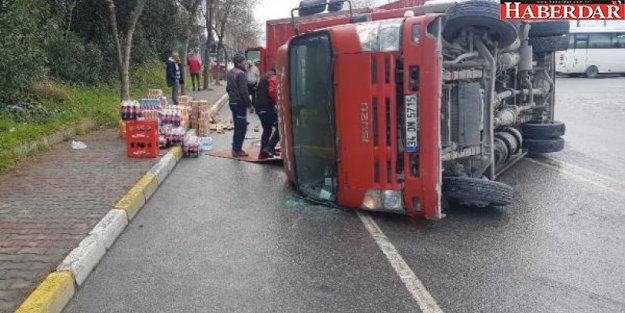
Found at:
(266, 110)
(195, 67)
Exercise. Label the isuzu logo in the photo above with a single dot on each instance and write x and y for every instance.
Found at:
(364, 122)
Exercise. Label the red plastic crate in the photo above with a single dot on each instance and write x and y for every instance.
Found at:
(142, 139)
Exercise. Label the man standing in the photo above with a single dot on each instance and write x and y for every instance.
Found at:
(195, 67)
(239, 99)
(175, 75)
(253, 75)
(266, 110)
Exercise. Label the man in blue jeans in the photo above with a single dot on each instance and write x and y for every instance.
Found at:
(175, 75)
(266, 110)
(239, 102)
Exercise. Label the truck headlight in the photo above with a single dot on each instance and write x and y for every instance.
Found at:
(393, 200)
(372, 200)
(383, 200)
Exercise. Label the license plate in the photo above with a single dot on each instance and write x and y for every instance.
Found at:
(412, 123)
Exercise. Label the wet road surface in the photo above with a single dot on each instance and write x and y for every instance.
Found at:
(225, 236)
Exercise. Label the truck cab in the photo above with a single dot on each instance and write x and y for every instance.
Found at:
(405, 114)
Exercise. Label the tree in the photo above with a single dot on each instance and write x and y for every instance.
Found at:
(124, 51)
(209, 14)
(192, 7)
(223, 13)
(242, 30)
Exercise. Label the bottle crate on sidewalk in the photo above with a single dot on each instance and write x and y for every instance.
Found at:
(142, 139)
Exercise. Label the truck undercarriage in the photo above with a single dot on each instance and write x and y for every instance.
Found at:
(497, 99)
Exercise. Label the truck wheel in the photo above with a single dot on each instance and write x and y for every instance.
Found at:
(540, 146)
(592, 71)
(549, 28)
(484, 14)
(549, 130)
(549, 44)
(475, 191)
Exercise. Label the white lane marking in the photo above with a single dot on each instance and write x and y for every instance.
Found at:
(581, 173)
(426, 302)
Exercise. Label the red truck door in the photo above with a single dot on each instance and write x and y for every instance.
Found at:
(422, 96)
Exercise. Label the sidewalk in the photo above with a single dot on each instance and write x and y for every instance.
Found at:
(50, 202)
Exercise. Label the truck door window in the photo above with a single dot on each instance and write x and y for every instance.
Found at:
(312, 116)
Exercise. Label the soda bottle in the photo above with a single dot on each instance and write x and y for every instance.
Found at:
(139, 111)
(136, 109)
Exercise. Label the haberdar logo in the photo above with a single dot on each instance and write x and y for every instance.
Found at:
(563, 10)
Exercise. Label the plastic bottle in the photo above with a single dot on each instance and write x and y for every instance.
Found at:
(123, 111)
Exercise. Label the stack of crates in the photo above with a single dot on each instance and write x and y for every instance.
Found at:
(142, 139)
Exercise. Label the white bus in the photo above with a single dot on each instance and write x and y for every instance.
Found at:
(593, 51)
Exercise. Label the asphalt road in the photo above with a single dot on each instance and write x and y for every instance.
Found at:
(227, 236)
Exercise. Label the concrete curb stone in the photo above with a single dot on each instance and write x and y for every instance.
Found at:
(110, 227)
(83, 259)
(55, 138)
(52, 294)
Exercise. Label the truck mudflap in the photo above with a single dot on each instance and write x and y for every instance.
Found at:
(421, 54)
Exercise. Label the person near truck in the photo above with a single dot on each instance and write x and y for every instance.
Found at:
(253, 75)
(175, 75)
(267, 113)
(239, 100)
(195, 67)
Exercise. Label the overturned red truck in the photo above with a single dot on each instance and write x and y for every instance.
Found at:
(410, 109)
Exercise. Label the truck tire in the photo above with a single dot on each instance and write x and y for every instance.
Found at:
(592, 71)
(311, 7)
(475, 191)
(541, 146)
(549, 130)
(549, 44)
(483, 14)
(549, 28)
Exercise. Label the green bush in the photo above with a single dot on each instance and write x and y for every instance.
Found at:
(72, 60)
(23, 59)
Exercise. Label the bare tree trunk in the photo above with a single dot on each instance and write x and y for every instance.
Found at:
(187, 37)
(219, 48)
(70, 14)
(120, 58)
(210, 10)
(220, 34)
(123, 52)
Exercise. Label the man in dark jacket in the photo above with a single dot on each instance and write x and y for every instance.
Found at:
(266, 110)
(239, 99)
(175, 75)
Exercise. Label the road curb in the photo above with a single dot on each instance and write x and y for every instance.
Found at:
(110, 227)
(84, 258)
(54, 292)
(55, 138)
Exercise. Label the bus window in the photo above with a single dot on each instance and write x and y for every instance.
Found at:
(618, 40)
(581, 41)
(599, 41)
